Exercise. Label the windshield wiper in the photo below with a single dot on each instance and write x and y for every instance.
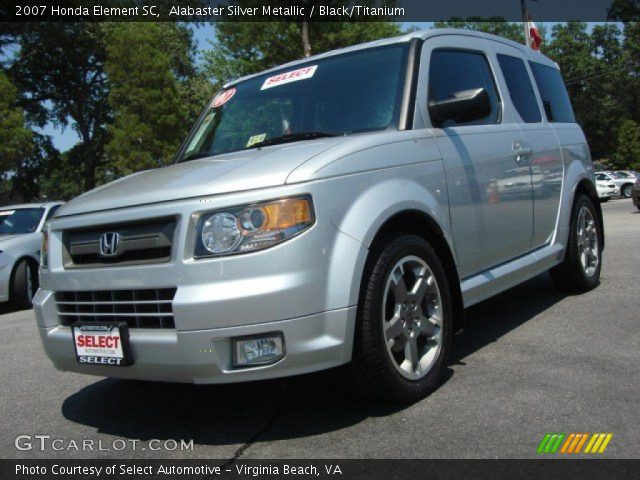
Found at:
(293, 137)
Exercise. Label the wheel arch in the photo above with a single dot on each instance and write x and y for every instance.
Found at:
(419, 223)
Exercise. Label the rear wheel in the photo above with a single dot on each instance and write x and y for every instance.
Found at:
(625, 191)
(404, 328)
(24, 284)
(580, 269)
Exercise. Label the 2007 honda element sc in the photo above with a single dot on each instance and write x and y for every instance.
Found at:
(341, 209)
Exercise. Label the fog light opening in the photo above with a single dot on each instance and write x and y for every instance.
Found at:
(263, 349)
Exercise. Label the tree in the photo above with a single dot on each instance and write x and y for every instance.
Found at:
(16, 140)
(594, 70)
(494, 25)
(60, 177)
(28, 176)
(243, 48)
(60, 73)
(146, 94)
(627, 155)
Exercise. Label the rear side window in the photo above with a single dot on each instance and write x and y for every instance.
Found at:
(554, 94)
(520, 88)
(454, 71)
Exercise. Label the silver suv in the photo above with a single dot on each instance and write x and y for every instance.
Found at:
(341, 209)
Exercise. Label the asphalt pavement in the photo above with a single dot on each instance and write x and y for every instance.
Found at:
(531, 361)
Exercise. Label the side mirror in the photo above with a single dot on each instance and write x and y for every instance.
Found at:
(464, 106)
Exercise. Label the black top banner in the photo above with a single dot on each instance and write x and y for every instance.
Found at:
(317, 11)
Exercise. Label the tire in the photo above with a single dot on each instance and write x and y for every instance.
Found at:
(580, 269)
(376, 365)
(626, 189)
(24, 284)
(603, 200)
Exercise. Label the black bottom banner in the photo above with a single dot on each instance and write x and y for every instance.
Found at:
(306, 469)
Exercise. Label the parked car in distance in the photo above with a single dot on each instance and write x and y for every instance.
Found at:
(635, 193)
(630, 174)
(343, 209)
(624, 184)
(20, 242)
(606, 190)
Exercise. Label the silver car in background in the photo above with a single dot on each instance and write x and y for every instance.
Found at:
(339, 210)
(20, 242)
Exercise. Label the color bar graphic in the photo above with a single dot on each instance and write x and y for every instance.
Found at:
(574, 443)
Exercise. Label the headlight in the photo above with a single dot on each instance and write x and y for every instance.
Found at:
(252, 227)
(44, 249)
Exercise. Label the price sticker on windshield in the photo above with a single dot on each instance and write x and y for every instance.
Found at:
(288, 77)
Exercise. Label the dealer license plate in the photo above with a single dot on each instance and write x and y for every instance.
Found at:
(98, 343)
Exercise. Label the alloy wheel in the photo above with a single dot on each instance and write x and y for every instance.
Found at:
(412, 317)
(587, 236)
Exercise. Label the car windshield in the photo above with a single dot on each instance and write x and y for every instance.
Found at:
(20, 221)
(349, 93)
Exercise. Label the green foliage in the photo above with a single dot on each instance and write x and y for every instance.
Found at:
(243, 48)
(494, 25)
(149, 116)
(61, 176)
(60, 73)
(16, 141)
(598, 73)
(628, 149)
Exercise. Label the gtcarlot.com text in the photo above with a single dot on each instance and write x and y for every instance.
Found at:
(45, 443)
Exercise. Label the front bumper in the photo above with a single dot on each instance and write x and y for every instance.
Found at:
(315, 342)
(305, 288)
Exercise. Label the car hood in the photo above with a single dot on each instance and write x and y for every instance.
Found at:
(7, 242)
(232, 172)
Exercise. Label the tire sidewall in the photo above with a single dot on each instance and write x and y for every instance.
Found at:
(19, 297)
(584, 201)
(398, 247)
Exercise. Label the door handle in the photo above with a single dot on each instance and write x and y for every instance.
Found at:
(521, 153)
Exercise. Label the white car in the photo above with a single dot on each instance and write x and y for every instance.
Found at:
(624, 184)
(630, 174)
(606, 190)
(20, 243)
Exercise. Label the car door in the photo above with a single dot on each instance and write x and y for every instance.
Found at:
(491, 211)
(545, 161)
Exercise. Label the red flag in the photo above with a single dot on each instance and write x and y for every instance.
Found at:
(535, 39)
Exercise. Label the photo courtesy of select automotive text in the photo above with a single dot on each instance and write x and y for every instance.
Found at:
(359, 239)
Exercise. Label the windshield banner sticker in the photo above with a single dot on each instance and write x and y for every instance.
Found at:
(288, 77)
(223, 97)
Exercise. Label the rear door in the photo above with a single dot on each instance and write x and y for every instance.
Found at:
(488, 181)
(545, 160)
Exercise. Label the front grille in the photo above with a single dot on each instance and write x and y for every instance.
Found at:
(138, 243)
(149, 308)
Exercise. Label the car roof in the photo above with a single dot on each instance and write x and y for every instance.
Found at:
(31, 205)
(527, 53)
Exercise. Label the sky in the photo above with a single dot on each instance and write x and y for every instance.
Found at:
(64, 138)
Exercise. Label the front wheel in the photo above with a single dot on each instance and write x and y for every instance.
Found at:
(625, 191)
(24, 284)
(404, 326)
(580, 269)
